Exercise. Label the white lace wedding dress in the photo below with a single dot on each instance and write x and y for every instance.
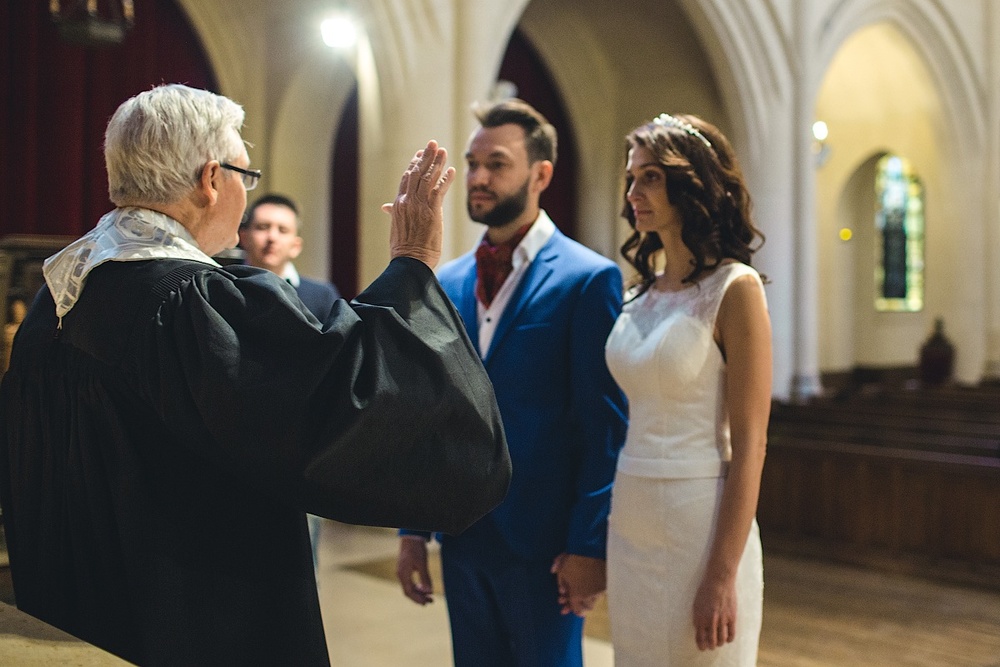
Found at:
(670, 477)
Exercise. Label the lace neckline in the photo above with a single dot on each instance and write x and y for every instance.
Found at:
(705, 281)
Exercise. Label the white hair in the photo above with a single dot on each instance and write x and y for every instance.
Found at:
(158, 142)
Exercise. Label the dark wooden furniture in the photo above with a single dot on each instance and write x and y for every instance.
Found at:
(21, 258)
(906, 480)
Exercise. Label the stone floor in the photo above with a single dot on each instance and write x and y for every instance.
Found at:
(815, 614)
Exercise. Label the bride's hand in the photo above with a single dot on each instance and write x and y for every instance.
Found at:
(714, 614)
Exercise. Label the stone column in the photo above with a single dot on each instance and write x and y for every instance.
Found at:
(406, 91)
(806, 377)
(991, 202)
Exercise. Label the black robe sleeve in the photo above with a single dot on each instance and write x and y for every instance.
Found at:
(158, 452)
(382, 415)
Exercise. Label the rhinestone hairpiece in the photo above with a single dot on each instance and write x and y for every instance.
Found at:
(666, 120)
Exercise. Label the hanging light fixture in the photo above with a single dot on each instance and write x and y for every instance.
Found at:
(81, 22)
(339, 31)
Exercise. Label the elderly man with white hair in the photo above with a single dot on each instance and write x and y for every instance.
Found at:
(167, 422)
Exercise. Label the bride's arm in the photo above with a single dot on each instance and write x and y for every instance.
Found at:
(743, 332)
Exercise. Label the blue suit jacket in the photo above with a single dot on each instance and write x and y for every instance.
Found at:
(563, 414)
(318, 297)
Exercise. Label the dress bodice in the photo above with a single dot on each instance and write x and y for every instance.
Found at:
(663, 355)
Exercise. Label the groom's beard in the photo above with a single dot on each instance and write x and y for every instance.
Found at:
(504, 211)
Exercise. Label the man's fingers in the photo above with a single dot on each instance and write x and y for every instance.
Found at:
(580, 605)
(431, 174)
(416, 595)
(430, 168)
(441, 187)
(425, 176)
(420, 166)
(408, 173)
(412, 572)
(404, 181)
(425, 579)
(423, 586)
(419, 592)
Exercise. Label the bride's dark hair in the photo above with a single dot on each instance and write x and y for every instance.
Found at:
(705, 183)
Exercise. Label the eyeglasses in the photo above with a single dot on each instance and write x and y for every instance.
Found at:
(250, 176)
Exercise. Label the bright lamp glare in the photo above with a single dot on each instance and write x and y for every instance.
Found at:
(339, 32)
(820, 131)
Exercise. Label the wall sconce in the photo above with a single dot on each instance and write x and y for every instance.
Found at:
(80, 21)
(821, 149)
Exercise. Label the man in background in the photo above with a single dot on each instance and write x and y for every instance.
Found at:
(539, 307)
(269, 236)
(270, 239)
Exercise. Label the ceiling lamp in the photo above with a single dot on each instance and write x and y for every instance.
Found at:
(81, 22)
(339, 31)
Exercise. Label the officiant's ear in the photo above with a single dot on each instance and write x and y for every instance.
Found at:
(210, 182)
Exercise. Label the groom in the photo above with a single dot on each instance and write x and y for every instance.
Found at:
(539, 307)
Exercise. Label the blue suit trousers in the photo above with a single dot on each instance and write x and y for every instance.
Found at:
(504, 609)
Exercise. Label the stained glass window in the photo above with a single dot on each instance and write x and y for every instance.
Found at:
(899, 237)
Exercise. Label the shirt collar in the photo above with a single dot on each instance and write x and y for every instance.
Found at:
(291, 275)
(541, 231)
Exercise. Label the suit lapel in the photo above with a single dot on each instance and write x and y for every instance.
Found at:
(467, 307)
(538, 272)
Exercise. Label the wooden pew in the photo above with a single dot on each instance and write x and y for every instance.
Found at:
(921, 430)
(880, 484)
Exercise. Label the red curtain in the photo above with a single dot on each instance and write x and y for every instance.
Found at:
(344, 202)
(58, 98)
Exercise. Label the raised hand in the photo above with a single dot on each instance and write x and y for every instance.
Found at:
(417, 217)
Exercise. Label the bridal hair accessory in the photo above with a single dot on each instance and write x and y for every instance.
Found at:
(666, 120)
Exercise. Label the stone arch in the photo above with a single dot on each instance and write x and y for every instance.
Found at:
(934, 35)
(291, 125)
(957, 234)
(227, 30)
(579, 65)
(303, 134)
(746, 58)
(753, 59)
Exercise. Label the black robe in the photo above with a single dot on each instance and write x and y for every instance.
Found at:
(158, 453)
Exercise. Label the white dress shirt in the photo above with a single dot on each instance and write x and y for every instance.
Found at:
(291, 275)
(524, 254)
